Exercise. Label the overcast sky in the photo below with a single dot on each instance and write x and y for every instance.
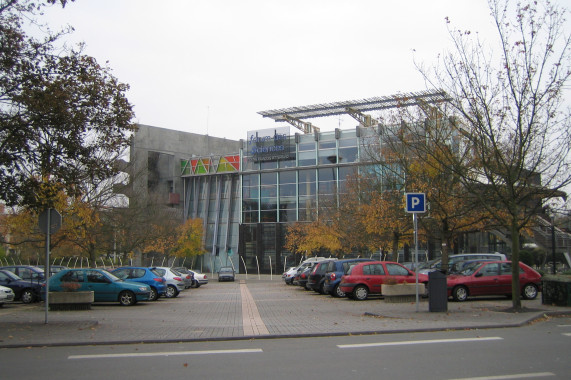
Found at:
(208, 66)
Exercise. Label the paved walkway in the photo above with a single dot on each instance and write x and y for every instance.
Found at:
(253, 307)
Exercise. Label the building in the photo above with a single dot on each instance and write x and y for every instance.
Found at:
(248, 191)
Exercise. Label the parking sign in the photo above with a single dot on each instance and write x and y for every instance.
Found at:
(415, 203)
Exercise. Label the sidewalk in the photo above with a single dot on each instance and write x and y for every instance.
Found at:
(251, 308)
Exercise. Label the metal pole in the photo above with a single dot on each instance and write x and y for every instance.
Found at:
(415, 221)
(47, 272)
(553, 242)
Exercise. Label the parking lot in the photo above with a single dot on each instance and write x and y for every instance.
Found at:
(250, 307)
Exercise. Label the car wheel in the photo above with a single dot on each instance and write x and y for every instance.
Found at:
(529, 291)
(360, 293)
(460, 293)
(28, 296)
(127, 298)
(172, 291)
(154, 295)
(198, 285)
(337, 292)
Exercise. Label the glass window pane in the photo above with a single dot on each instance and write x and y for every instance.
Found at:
(288, 177)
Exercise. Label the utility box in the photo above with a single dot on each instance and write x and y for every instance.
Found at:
(556, 290)
(437, 292)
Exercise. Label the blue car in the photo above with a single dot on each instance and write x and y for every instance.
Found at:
(335, 270)
(25, 291)
(106, 287)
(144, 275)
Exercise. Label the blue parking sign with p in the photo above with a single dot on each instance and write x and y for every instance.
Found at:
(415, 202)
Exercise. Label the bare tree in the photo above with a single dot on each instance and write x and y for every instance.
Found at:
(508, 96)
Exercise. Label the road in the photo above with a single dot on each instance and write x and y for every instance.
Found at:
(540, 350)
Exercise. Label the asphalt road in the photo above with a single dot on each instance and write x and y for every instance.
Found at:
(539, 350)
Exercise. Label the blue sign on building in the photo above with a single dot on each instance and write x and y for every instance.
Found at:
(415, 202)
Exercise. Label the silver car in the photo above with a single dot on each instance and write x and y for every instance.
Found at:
(199, 278)
(175, 282)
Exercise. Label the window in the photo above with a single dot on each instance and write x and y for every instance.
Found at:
(373, 269)
(396, 270)
(72, 276)
(96, 276)
(489, 270)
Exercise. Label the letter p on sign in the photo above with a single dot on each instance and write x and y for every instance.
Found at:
(415, 202)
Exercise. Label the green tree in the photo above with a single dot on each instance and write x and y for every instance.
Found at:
(64, 118)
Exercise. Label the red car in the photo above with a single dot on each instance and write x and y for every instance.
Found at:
(492, 278)
(367, 277)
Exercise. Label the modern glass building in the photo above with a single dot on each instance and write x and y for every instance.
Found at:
(247, 199)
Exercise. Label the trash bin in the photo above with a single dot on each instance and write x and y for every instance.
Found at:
(437, 292)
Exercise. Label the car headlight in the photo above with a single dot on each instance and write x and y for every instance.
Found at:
(143, 289)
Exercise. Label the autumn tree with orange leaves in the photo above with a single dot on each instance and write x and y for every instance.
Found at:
(178, 240)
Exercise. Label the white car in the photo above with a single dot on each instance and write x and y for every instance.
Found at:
(6, 295)
(175, 281)
(199, 278)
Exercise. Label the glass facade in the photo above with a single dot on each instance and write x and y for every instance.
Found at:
(246, 208)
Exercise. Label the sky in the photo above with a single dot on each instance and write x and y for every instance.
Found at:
(208, 66)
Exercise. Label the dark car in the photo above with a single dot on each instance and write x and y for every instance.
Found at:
(25, 291)
(226, 274)
(304, 276)
(492, 278)
(27, 272)
(367, 278)
(335, 270)
(144, 275)
(106, 287)
(316, 280)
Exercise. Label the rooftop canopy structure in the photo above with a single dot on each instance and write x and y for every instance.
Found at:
(355, 108)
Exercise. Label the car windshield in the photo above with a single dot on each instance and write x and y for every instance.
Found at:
(12, 276)
(226, 270)
(470, 268)
(110, 275)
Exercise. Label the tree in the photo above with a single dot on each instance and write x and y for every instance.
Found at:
(508, 100)
(63, 117)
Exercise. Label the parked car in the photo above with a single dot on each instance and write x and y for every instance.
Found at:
(199, 278)
(492, 278)
(6, 295)
(316, 280)
(460, 266)
(27, 272)
(146, 276)
(437, 265)
(106, 286)
(335, 270)
(288, 274)
(188, 276)
(303, 276)
(25, 291)
(226, 274)
(175, 282)
(53, 268)
(366, 278)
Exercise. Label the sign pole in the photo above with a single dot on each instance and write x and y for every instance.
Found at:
(47, 272)
(415, 203)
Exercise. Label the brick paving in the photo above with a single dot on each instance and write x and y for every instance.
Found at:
(252, 307)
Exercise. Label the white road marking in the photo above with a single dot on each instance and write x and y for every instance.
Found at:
(515, 376)
(408, 342)
(567, 334)
(175, 353)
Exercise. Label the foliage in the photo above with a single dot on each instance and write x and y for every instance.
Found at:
(311, 238)
(515, 143)
(64, 118)
(185, 240)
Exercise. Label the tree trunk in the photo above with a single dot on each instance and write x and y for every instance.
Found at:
(516, 296)
(395, 246)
